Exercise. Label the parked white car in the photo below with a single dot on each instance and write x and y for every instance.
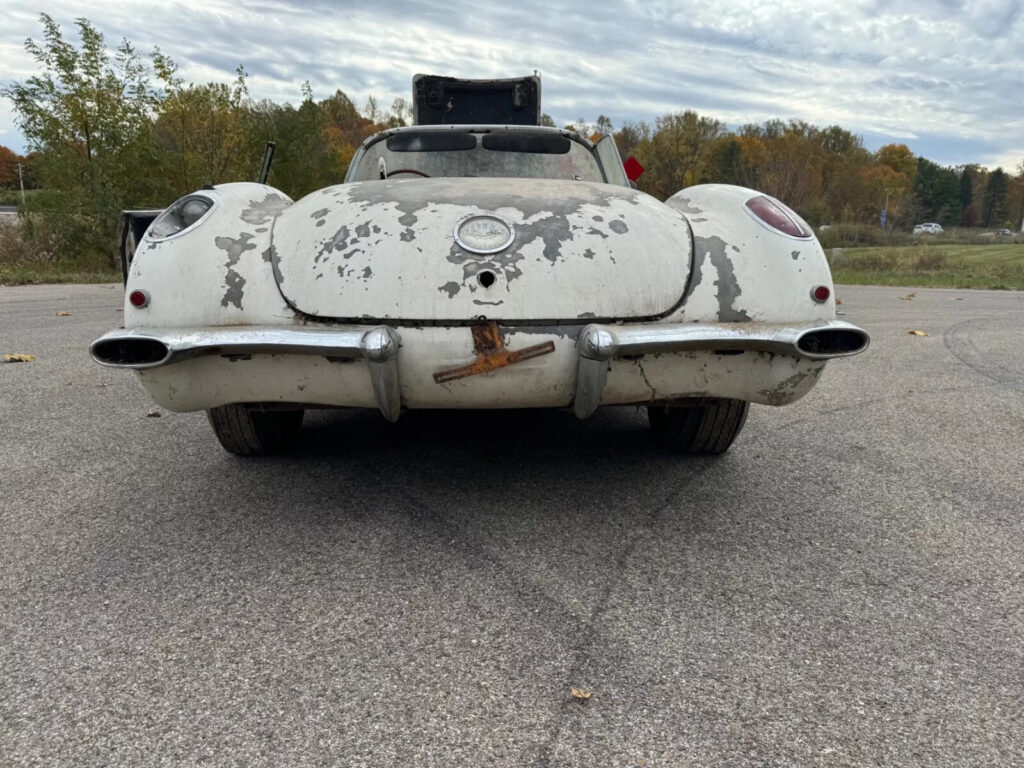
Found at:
(478, 266)
(928, 228)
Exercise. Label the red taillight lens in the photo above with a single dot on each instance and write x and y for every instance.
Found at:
(138, 299)
(821, 293)
(777, 216)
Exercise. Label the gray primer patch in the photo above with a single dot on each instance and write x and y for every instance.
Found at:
(270, 256)
(451, 288)
(683, 204)
(234, 282)
(486, 194)
(319, 214)
(337, 242)
(593, 231)
(598, 218)
(262, 211)
(233, 295)
(554, 231)
(795, 255)
(488, 303)
(618, 227)
(363, 230)
(728, 288)
(235, 247)
(367, 273)
(588, 254)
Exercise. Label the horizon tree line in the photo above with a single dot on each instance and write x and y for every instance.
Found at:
(111, 129)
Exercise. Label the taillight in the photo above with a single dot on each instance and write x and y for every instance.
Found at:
(777, 216)
(138, 299)
(820, 293)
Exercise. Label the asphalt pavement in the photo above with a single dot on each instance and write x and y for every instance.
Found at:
(845, 587)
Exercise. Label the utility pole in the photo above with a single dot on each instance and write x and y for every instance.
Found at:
(21, 180)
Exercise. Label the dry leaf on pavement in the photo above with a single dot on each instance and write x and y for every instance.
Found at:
(578, 694)
(62, 313)
(917, 333)
(908, 297)
(19, 357)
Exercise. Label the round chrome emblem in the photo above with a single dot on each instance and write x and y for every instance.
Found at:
(484, 234)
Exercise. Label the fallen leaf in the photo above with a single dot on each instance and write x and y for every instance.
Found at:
(154, 412)
(19, 357)
(917, 333)
(838, 302)
(908, 297)
(578, 694)
(63, 314)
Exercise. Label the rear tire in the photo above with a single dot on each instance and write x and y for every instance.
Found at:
(704, 427)
(248, 430)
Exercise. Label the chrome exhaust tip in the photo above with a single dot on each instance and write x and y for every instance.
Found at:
(825, 343)
(129, 352)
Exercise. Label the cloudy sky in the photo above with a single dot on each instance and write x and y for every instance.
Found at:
(946, 77)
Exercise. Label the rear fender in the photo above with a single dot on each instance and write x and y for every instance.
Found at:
(744, 270)
(217, 272)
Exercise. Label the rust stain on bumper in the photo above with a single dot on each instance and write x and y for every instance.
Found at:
(491, 354)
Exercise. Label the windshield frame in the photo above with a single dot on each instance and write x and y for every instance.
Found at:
(476, 129)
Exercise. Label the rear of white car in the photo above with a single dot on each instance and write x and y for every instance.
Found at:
(401, 290)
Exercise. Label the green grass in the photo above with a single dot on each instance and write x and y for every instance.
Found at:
(28, 255)
(997, 266)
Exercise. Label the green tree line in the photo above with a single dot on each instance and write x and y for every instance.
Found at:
(110, 129)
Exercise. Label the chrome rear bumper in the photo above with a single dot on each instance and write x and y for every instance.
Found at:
(596, 346)
(141, 349)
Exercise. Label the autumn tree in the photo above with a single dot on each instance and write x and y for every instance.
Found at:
(1016, 198)
(87, 114)
(345, 130)
(678, 152)
(994, 208)
(629, 136)
(792, 171)
(936, 194)
(201, 130)
(965, 198)
(302, 158)
(8, 168)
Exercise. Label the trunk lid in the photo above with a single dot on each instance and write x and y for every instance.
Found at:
(434, 250)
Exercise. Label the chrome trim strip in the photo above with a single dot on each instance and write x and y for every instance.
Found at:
(598, 344)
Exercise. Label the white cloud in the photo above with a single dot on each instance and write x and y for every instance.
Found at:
(948, 69)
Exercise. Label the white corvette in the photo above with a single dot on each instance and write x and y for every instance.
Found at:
(477, 266)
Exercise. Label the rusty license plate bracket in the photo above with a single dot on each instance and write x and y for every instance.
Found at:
(491, 354)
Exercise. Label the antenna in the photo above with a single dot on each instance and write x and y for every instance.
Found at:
(268, 158)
